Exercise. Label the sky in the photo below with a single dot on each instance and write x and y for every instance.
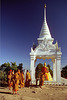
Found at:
(21, 22)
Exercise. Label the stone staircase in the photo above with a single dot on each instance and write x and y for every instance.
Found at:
(63, 82)
(51, 83)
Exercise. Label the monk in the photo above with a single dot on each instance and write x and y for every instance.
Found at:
(43, 75)
(22, 80)
(12, 77)
(46, 72)
(28, 79)
(15, 82)
(12, 72)
(42, 79)
(19, 73)
(45, 68)
(9, 78)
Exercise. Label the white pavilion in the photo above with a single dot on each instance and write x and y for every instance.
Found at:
(46, 50)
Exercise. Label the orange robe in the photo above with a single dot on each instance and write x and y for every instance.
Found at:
(28, 79)
(45, 71)
(46, 76)
(12, 78)
(15, 82)
(42, 79)
(22, 80)
(9, 81)
(19, 77)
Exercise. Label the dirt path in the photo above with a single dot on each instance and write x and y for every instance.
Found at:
(33, 93)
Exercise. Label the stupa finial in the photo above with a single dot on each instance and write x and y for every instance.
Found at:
(45, 6)
(45, 12)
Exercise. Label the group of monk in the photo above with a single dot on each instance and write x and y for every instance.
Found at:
(16, 79)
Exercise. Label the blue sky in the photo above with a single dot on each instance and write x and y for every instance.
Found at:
(21, 22)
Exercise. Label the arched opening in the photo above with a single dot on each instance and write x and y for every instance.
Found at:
(38, 68)
(48, 61)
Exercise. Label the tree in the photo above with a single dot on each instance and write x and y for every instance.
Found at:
(13, 66)
(5, 67)
(64, 72)
(20, 66)
(4, 71)
(6, 64)
(51, 72)
(38, 70)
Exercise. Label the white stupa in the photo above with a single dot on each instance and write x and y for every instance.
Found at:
(46, 50)
(45, 32)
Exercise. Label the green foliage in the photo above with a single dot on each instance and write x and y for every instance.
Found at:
(3, 76)
(6, 64)
(0, 68)
(38, 70)
(4, 68)
(7, 67)
(20, 66)
(51, 72)
(64, 72)
(13, 66)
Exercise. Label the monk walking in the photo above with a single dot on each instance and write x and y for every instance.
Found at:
(19, 73)
(9, 78)
(42, 79)
(15, 82)
(22, 80)
(28, 79)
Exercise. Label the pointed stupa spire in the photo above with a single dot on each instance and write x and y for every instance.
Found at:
(45, 12)
(45, 32)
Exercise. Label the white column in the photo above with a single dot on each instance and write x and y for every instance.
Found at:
(32, 69)
(54, 69)
(58, 69)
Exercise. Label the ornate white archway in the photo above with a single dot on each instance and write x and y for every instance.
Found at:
(46, 50)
